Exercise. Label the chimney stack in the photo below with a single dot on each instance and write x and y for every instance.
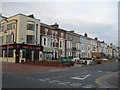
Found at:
(111, 44)
(96, 38)
(102, 41)
(85, 35)
(55, 25)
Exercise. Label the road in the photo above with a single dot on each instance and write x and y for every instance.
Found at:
(85, 77)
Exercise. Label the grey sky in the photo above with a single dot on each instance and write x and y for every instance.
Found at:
(98, 19)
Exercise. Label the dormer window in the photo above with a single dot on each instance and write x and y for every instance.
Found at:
(46, 31)
(61, 35)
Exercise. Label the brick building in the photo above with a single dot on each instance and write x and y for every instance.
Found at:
(53, 41)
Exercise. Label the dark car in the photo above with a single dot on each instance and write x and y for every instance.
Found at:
(68, 61)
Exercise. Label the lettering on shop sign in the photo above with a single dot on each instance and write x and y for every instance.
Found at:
(31, 47)
(11, 46)
(3, 47)
(25, 47)
(38, 48)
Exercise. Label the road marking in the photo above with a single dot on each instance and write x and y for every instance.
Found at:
(81, 77)
(75, 84)
(88, 86)
(54, 81)
(62, 83)
(46, 79)
(98, 80)
(99, 83)
(100, 71)
(67, 82)
(41, 79)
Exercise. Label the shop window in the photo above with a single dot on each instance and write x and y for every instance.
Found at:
(36, 55)
(30, 39)
(10, 53)
(23, 54)
(1, 53)
(30, 27)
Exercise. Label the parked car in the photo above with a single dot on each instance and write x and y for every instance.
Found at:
(102, 59)
(68, 61)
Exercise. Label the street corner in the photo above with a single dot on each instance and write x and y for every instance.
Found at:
(108, 80)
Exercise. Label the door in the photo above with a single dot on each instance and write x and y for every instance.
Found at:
(36, 55)
(28, 55)
(17, 56)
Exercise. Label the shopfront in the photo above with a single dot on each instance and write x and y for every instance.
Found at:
(21, 52)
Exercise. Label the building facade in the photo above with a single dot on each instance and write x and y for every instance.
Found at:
(53, 40)
(72, 44)
(20, 39)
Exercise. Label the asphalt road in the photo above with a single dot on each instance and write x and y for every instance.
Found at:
(84, 77)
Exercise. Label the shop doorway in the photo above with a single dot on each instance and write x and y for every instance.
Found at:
(28, 55)
(17, 56)
(36, 55)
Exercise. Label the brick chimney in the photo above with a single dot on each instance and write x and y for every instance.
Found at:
(32, 15)
(96, 38)
(111, 44)
(85, 35)
(103, 41)
(55, 25)
(72, 31)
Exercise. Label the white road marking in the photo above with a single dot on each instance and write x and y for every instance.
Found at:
(54, 81)
(62, 83)
(100, 71)
(81, 77)
(67, 82)
(88, 86)
(41, 79)
(75, 84)
(46, 79)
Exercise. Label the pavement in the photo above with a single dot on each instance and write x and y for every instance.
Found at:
(12, 67)
(30, 76)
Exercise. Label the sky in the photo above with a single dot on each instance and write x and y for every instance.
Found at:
(98, 18)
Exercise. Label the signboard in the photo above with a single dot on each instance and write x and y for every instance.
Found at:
(22, 46)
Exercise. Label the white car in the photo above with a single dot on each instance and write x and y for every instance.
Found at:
(103, 59)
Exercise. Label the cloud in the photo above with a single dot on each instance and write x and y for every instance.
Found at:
(98, 19)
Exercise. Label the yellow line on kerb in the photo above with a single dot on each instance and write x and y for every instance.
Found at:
(100, 83)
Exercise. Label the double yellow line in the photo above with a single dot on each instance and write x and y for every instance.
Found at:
(100, 83)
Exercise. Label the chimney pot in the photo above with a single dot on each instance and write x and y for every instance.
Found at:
(85, 35)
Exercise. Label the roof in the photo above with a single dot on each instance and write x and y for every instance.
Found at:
(49, 26)
(20, 14)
